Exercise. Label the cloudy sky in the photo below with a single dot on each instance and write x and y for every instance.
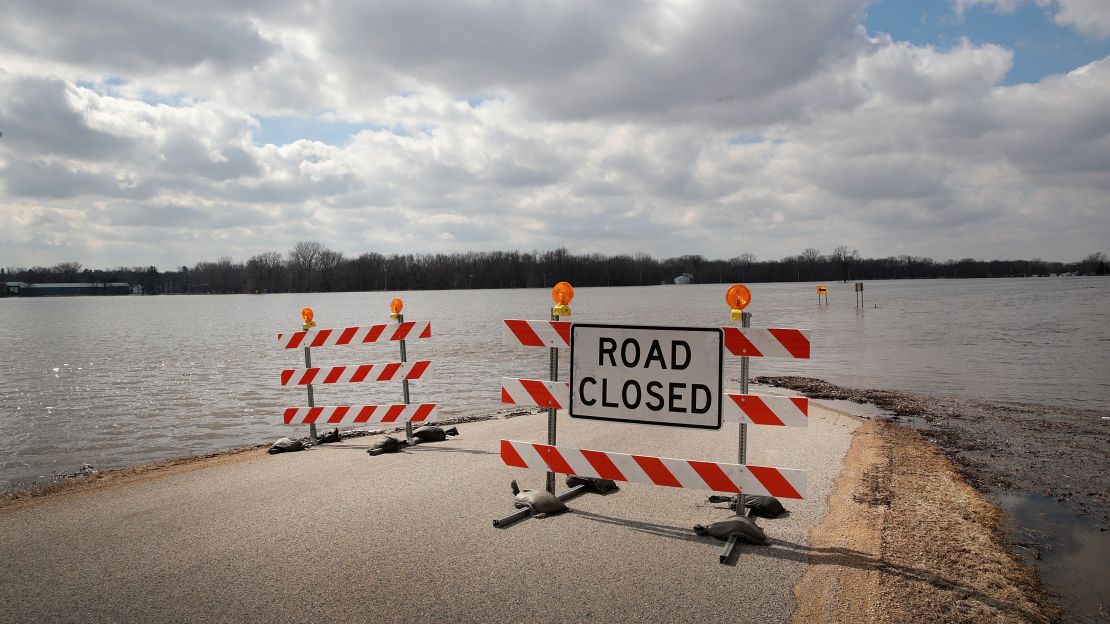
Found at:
(140, 132)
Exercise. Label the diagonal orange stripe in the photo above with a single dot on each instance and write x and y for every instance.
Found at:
(510, 456)
(756, 409)
(334, 374)
(738, 344)
(423, 411)
(373, 333)
(393, 413)
(321, 338)
(402, 330)
(713, 476)
(604, 466)
(365, 413)
(554, 460)
(295, 341)
(308, 376)
(418, 368)
(794, 341)
(657, 471)
(774, 482)
(563, 329)
(539, 393)
(347, 335)
(524, 333)
(338, 414)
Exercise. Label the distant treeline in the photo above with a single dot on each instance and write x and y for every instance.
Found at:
(312, 267)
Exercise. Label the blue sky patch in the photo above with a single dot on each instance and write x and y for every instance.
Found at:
(1041, 47)
(282, 130)
(475, 101)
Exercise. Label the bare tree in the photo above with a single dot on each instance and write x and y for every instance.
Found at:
(326, 264)
(225, 266)
(303, 263)
(67, 271)
(743, 264)
(811, 258)
(1095, 264)
(844, 258)
(264, 272)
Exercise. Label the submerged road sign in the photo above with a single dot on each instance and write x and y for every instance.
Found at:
(650, 375)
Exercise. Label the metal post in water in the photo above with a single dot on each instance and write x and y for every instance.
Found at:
(551, 410)
(405, 383)
(311, 402)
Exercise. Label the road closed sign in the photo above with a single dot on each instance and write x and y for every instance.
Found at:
(650, 375)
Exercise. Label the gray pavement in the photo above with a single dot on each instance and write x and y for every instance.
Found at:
(334, 535)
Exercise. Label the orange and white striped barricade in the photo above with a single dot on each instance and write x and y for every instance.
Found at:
(538, 392)
(746, 409)
(754, 409)
(766, 342)
(550, 393)
(670, 376)
(355, 335)
(355, 373)
(662, 471)
(361, 414)
(553, 334)
(310, 376)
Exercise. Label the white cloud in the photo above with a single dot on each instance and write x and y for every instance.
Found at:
(1090, 17)
(669, 127)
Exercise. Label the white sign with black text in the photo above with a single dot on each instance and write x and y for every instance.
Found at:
(650, 375)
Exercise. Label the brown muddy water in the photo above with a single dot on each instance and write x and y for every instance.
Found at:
(117, 381)
(1072, 557)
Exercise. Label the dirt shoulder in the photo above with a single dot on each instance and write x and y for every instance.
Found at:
(906, 538)
(1000, 446)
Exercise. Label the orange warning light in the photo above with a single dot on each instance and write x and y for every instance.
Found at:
(307, 315)
(396, 306)
(738, 296)
(562, 293)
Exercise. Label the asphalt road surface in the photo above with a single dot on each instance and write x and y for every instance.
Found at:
(335, 535)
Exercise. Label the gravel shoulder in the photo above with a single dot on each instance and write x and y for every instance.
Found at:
(1000, 446)
(907, 539)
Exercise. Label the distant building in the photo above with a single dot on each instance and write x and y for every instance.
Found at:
(685, 278)
(24, 289)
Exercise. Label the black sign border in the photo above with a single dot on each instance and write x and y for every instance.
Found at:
(720, 373)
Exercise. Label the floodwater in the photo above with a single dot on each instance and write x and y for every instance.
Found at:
(117, 381)
(1073, 558)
